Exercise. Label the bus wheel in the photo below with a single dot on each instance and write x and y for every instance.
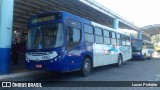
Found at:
(86, 67)
(150, 56)
(144, 57)
(120, 60)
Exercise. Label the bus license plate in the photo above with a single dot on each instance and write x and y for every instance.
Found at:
(38, 66)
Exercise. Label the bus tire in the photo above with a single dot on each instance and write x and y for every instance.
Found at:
(86, 67)
(144, 57)
(119, 61)
(150, 56)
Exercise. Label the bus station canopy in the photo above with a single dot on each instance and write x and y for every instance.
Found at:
(152, 29)
(24, 9)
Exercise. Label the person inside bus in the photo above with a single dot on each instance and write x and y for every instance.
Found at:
(15, 50)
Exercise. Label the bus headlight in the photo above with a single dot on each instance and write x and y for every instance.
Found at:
(52, 61)
(60, 57)
(27, 60)
(55, 59)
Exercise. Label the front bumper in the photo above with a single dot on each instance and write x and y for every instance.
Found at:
(47, 65)
(137, 56)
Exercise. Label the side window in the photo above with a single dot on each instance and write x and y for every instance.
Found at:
(128, 42)
(88, 33)
(98, 35)
(106, 36)
(98, 31)
(73, 34)
(119, 41)
(118, 36)
(113, 35)
(123, 40)
(113, 39)
(88, 29)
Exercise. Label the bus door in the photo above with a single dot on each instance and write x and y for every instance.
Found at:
(74, 45)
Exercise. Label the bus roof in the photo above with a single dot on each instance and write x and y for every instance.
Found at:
(66, 14)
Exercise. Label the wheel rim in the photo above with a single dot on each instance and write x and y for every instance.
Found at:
(120, 61)
(87, 67)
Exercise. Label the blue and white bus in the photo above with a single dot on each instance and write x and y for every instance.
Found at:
(60, 41)
(141, 49)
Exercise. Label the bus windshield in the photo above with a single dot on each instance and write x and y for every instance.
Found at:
(46, 36)
(137, 45)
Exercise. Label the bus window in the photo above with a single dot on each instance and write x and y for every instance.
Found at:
(119, 41)
(98, 35)
(88, 33)
(123, 40)
(73, 39)
(106, 35)
(128, 40)
(113, 35)
(113, 39)
(88, 29)
(98, 31)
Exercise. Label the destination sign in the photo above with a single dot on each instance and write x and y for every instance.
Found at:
(43, 19)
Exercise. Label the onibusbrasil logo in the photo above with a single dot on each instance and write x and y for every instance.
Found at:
(21, 84)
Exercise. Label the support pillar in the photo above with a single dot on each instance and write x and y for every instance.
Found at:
(116, 24)
(6, 19)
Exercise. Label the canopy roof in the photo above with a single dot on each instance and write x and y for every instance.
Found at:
(152, 29)
(24, 9)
